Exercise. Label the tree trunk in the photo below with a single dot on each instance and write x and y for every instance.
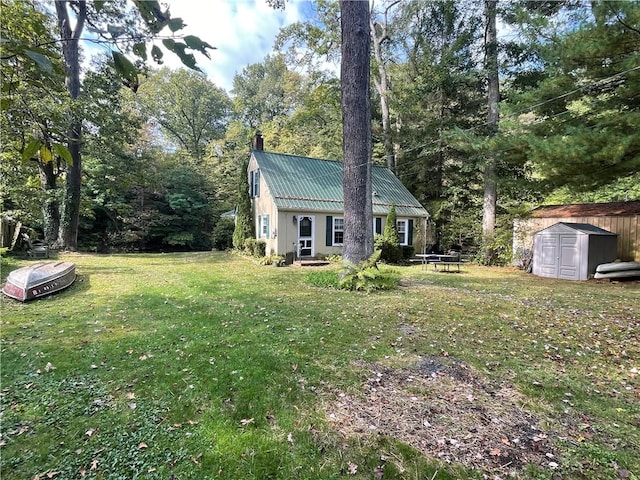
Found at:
(378, 37)
(51, 206)
(70, 215)
(356, 130)
(493, 95)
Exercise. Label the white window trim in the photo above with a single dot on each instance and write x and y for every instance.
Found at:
(404, 222)
(263, 221)
(333, 232)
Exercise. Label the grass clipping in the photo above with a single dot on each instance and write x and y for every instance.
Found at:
(446, 410)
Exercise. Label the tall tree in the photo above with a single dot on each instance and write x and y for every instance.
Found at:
(190, 109)
(439, 89)
(380, 36)
(493, 118)
(356, 127)
(580, 113)
(70, 214)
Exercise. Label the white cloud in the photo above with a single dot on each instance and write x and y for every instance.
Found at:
(243, 32)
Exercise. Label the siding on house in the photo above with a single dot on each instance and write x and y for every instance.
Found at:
(622, 218)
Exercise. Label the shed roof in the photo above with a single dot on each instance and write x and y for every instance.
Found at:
(580, 228)
(313, 184)
(588, 210)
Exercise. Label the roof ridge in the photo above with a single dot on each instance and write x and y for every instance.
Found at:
(315, 158)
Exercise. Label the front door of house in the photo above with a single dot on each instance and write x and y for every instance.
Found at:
(305, 236)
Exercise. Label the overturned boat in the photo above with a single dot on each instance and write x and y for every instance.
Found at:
(616, 270)
(39, 280)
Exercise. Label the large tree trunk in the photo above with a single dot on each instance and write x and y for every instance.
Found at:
(493, 117)
(70, 215)
(356, 130)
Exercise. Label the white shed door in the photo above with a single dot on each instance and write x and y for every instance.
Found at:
(548, 256)
(569, 261)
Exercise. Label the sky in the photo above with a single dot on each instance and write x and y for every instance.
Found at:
(243, 32)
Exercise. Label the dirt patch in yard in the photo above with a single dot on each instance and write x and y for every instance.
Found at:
(448, 411)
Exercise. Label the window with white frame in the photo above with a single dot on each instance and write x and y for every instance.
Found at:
(263, 226)
(338, 230)
(254, 181)
(403, 230)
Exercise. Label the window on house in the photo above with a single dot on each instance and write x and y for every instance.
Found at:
(377, 226)
(263, 226)
(254, 180)
(401, 226)
(338, 230)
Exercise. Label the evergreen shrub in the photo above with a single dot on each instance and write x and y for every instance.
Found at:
(222, 236)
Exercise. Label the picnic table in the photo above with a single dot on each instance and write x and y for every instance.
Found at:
(444, 261)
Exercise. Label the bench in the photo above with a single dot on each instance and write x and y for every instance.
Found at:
(446, 266)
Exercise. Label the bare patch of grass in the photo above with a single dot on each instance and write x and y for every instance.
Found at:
(448, 411)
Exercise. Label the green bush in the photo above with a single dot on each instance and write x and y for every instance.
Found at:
(271, 260)
(249, 246)
(222, 236)
(259, 248)
(408, 251)
(334, 258)
(390, 250)
(366, 276)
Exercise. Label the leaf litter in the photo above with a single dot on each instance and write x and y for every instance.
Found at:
(448, 411)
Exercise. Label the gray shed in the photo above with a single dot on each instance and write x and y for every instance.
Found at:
(572, 251)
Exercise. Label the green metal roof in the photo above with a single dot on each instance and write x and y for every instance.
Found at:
(313, 184)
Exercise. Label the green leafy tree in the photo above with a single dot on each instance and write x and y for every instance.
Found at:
(439, 90)
(190, 110)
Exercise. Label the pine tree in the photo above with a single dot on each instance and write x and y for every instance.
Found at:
(391, 228)
(244, 223)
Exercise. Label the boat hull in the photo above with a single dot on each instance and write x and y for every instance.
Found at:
(617, 267)
(617, 274)
(39, 280)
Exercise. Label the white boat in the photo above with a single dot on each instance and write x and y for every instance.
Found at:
(617, 267)
(39, 280)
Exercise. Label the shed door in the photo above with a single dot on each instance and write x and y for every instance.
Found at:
(569, 261)
(549, 256)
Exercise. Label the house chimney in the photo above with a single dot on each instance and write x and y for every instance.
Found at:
(258, 142)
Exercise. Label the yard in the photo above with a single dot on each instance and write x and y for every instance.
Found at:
(205, 365)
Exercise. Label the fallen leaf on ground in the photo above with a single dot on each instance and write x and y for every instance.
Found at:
(246, 421)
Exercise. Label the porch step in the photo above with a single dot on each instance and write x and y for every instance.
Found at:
(310, 263)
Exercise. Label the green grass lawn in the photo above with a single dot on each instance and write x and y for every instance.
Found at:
(207, 366)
